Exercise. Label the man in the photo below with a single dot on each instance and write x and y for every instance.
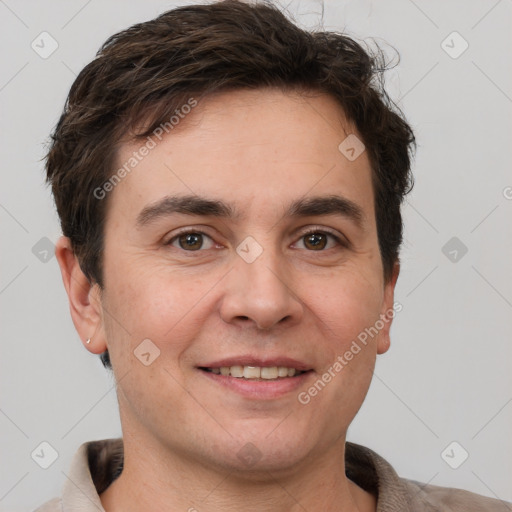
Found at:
(229, 189)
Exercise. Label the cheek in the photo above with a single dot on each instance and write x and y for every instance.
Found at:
(159, 305)
(344, 310)
(160, 308)
(345, 303)
(349, 305)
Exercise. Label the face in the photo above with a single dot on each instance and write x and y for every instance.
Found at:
(244, 243)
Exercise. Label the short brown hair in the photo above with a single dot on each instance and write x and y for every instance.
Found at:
(141, 75)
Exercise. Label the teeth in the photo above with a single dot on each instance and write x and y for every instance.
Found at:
(282, 371)
(252, 372)
(269, 373)
(236, 371)
(255, 372)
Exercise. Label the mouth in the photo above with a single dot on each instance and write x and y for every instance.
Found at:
(255, 372)
(258, 379)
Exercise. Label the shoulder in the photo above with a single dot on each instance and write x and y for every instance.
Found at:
(452, 499)
(374, 474)
(94, 466)
(54, 505)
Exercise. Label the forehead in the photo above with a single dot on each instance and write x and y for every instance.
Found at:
(249, 147)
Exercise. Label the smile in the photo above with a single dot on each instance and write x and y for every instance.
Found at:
(255, 372)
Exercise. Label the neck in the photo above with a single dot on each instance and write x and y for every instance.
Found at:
(153, 479)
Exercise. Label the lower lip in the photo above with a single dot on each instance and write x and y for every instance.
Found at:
(260, 389)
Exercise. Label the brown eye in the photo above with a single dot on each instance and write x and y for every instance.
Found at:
(319, 240)
(191, 241)
(315, 241)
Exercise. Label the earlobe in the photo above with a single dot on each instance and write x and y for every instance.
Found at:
(384, 343)
(388, 311)
(83, 296)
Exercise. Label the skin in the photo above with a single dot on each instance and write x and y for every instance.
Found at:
(257, 151)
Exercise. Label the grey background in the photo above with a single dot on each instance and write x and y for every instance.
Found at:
(447, 376)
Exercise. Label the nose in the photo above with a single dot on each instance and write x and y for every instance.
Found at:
(260, 293)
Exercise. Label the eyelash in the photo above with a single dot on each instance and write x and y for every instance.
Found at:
(315, 230)
(324, 231)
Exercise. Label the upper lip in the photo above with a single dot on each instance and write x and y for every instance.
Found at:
(247, 360)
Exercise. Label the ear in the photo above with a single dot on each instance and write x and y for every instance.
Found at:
(84, 298)
(388, 311)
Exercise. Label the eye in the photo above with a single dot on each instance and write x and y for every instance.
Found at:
(316, 240)
(191, 241)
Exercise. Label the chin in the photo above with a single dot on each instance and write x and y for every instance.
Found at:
(257, 455)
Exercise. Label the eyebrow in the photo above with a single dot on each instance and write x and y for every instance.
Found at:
(328, 205)
(201, 206)
(189, 205)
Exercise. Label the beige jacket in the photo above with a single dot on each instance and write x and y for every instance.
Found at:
(97, 463)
